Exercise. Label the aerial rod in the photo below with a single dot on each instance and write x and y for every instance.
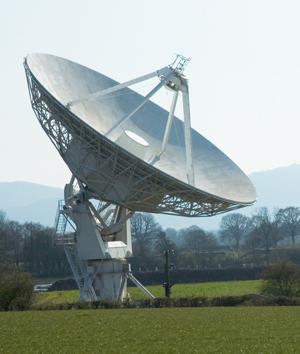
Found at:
(167, 283)
(180, 63)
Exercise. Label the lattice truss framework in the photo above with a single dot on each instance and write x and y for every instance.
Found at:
(150, 189)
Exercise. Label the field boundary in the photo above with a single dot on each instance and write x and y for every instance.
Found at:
(221, 301)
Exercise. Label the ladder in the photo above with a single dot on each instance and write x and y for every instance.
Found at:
(80, 274)
(67, 240)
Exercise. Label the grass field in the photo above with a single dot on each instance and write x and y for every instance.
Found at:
(168, 330)
(211, 289)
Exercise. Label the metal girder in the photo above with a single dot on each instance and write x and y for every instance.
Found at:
(169, 122)
(97, 278)
(140, 285)
(187, 135)
(165, 71)
(147, 98)
(167, 129)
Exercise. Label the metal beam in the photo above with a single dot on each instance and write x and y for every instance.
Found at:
(187, 135)
(146, 99)
(140, 285)
(167, 129)
(96, 214)
(93, 96)
(169, 123)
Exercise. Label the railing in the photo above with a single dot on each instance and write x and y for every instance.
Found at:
(61, 221)
(67, 240)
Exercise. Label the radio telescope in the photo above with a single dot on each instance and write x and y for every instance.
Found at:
(126, 154)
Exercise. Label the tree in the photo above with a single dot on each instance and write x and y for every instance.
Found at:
(281, 279)
(10, 240)
(15, 237)
(40, 255)
(234, 227)
(3, 238)
(163, 243)
(144, 230)
(2, 216)
(16, 289)
(289, 222)
(173, 235)
(266, 229)
(200, 245)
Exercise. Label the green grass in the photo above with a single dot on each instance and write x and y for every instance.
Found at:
(211, 289)
(55, 297)
(168, 330)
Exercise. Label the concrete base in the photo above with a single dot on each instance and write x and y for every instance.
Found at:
(108, 278)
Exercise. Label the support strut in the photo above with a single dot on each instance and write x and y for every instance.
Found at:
(98, 250)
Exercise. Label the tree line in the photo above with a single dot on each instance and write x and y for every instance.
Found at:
(30, 247)
(240, 241)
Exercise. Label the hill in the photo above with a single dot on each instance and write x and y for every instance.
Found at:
(24, 201)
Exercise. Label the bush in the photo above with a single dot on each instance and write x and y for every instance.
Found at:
(281, 279)
(16, 289)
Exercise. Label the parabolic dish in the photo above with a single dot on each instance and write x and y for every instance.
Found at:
(116, 168)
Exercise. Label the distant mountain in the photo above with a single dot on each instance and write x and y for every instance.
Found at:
(24, 201)
(279, 187)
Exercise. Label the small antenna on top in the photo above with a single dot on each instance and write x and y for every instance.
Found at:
(180, 63)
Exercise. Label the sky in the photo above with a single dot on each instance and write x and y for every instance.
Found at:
(244, 75)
